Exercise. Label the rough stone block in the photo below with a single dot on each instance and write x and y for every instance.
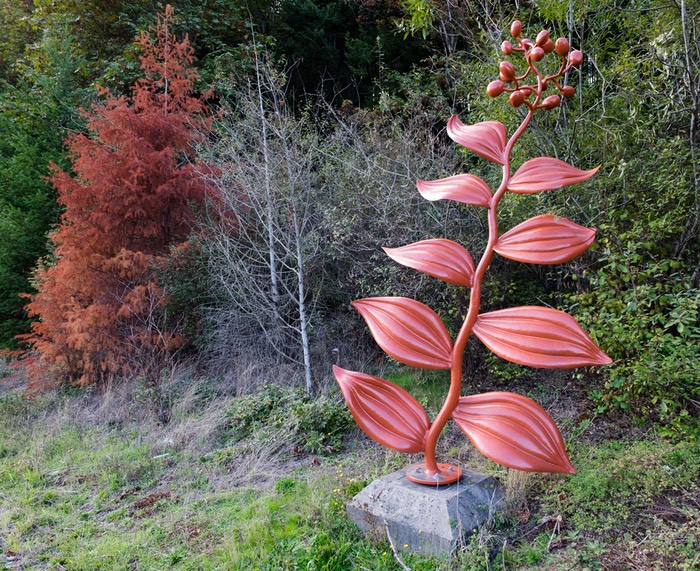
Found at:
(425, 519)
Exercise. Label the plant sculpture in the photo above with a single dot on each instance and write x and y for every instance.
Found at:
(508, 428)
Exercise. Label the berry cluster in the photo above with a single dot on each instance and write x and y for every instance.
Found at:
(534, 52)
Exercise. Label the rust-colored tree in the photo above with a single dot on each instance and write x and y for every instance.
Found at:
(98, 308)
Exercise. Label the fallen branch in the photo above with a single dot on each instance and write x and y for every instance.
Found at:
(393, 549)
(557, 528)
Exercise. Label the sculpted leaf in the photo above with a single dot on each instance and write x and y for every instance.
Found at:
(464, 188)
(443, 259)
(513, 431)
(487, 139)
(538, 337)
(545, 239)
(546, 173)
(384, 411)
(407, 330)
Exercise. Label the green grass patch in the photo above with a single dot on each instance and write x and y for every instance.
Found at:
(631, 505)
(429, 388)
(93, 497)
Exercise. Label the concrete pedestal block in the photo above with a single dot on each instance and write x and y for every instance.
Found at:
(425, 519)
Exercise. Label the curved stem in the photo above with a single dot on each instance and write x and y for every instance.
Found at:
(465, 331)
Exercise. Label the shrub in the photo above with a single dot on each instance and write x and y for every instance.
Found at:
(313, 425)
(645, 316)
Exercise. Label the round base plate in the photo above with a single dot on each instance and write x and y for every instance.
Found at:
(448, 474)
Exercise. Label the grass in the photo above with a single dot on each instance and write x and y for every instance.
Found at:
(631, 505)
(91, 482)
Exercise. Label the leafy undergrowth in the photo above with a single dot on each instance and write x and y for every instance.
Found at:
(90, 482)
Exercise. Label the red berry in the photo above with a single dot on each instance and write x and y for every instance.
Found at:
(536, 54)
(568, 91)
(562, 46)
(548, 46)
(551, 102)
(517, 98)
(516, 28)
(507, 71)
(495, 88)
(542, 38)
(507, 48)
(576, 58)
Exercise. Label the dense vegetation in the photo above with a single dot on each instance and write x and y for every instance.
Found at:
(311, 161)
(212, 185)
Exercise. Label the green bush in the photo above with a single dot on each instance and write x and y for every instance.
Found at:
(321, 423)
(314, 425)
(639, 301)
(645, 316)
(252, 412)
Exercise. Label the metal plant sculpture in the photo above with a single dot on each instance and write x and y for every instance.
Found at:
(508, 428)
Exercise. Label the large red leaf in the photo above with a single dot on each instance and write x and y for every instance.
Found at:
(487, 139)
(464, 188)
(513, 431)
(546, 173)
(384, 411)
(443, 259)
(545, 239)
(538, 337)
(407, 330)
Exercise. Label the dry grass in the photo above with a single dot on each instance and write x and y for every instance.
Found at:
(518, 486)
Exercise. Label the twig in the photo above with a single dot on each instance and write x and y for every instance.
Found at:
(503, 554)
(555, 530)
(545, 520)
(393, 549)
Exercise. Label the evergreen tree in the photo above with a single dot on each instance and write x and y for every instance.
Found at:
(99, 306)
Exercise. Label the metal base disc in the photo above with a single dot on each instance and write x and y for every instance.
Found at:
(448, 474)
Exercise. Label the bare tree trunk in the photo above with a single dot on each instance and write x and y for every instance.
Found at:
(291, 163)
(303, 316)
(269, 182)
(272, 256)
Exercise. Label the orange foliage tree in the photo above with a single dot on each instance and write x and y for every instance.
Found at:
(99, 309)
